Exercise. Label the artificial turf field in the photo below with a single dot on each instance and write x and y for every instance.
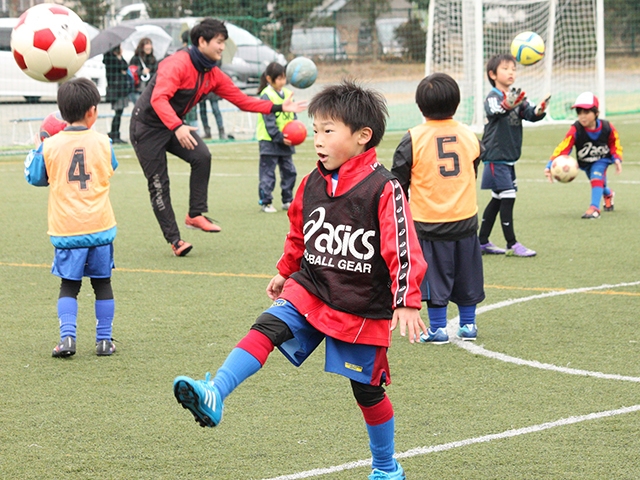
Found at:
(551, 389)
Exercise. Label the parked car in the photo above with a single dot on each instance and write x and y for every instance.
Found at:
(387, 37)
(14, 82)
(322, 43)
(251, 57)
(133, 11)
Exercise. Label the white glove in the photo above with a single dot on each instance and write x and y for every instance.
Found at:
(512, 98)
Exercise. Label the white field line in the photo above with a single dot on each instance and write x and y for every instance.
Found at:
(452, 327)
(414, 452)
(580, 179)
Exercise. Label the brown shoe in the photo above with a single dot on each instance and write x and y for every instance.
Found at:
(181, 248)
(202, 223)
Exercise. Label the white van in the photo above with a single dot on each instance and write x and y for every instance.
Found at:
(15, 83)
(321, 43)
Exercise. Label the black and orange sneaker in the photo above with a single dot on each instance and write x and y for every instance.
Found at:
(608, 201)
(181, 248)
(201, 223)
(592, 212)
(65, 348)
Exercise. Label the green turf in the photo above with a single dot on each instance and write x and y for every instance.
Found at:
(116, 418)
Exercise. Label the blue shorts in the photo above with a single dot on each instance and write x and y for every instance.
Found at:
(75, 263)
(455, 272)
(499, 177)
(363, 363)
(597, 169)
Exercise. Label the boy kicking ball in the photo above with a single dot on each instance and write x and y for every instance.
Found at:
(350, 273)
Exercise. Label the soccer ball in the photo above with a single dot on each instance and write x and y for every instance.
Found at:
(301, 72)
(52, 124)
(564, 168)
(295, 131)
(527, 48)
(50, 42)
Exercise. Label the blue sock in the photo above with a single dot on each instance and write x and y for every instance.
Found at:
(382, 445)
(437, 317)
(104, 315)
(606, 191)
(596, 195)
(67, 315)
(238, 366)
(467, 314)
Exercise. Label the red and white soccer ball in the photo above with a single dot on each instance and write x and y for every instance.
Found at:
(564, 168)
(50, 42)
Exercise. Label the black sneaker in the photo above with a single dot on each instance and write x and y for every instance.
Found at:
(105, 348)
(65, 348)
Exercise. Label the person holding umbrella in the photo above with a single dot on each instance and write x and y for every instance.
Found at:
(118, 88)
(146, 64)
(157, 125)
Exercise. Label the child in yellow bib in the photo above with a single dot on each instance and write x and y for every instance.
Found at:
(76, 164)
(275, 149)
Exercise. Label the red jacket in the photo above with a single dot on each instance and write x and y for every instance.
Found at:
(343, 326)
(178, 87)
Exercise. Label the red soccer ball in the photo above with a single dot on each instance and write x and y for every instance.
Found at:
(52, 124)
(295, 132)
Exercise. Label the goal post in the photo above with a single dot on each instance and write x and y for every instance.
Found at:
(464, 34)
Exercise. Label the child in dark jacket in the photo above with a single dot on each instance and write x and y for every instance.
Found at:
(505, 107)
(118, 88)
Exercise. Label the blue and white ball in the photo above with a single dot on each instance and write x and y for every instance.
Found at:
(301, 72)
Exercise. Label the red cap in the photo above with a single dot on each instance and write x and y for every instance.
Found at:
(586, 100)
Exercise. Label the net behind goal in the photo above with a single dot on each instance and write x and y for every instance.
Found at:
(464, 34)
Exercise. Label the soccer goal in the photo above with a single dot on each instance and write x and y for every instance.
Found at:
(464, 34)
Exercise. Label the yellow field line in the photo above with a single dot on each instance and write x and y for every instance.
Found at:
(149, 270)
(260, 275)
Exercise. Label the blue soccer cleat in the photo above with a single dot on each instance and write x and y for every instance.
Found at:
(201, 398)
(397, 474)
(439, 337)
(468, 332)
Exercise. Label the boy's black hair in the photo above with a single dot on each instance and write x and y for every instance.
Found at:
(273, 70)
(76, 97)
(592, 109)
(494, 62)
(438, 96)
(208, 28)
(353, 105)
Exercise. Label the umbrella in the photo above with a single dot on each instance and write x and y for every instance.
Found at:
(161, 40)
(109, 38)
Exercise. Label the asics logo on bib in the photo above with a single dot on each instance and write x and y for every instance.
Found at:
(590, 152)
(337, 239)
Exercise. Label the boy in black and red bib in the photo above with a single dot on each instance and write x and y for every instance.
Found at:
(350, 273)
(597, 146)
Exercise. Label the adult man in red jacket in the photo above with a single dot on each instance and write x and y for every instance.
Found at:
(157, 127)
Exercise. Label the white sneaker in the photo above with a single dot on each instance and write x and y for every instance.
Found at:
(285, 206)
(269, 209)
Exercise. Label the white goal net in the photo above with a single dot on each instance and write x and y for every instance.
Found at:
(464, 34)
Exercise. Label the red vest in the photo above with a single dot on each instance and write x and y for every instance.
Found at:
(342, 264)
